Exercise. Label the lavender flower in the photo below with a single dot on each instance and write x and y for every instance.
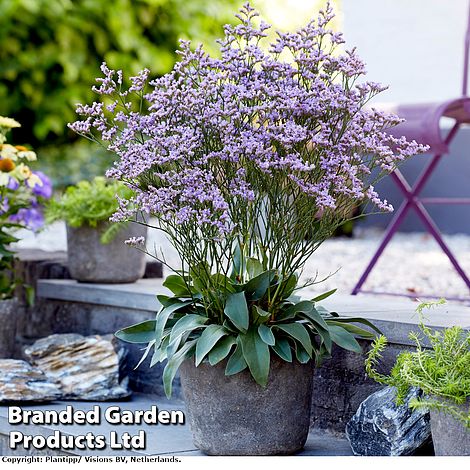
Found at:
(217, 144)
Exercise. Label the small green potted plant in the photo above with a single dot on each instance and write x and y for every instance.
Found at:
(96, 247)
(22, 195)
(237, 159)
(440, 367)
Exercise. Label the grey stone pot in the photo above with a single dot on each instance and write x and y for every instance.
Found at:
(449, 436)
(9, 312)
(115, 262)
(236, 416)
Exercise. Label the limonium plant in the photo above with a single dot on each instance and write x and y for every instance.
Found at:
(236, 159)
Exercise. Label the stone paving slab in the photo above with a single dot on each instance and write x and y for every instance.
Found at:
(161, 439)
(394, 317)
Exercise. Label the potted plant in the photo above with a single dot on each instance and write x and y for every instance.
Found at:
(440, 367)
(22, 194)
(96, 248)
(237, 159)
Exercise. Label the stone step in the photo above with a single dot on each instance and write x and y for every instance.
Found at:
(160, 439)
(340, 385)
(394, 317)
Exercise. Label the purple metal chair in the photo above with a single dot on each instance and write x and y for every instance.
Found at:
(423, 125)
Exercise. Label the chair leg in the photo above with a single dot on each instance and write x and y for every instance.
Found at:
(391, 229)
(432, 228)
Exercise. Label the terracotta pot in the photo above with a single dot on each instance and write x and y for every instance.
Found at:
(236, 416)
(89, 260)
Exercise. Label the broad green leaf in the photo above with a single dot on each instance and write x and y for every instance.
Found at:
(207, 341)
(177, 285)
(162, 318)
(257, 287)
(289, 285)
(259, 315)
(282, 349)
(325, 336)
(159, 355)
(324, 296)
(304, 306)
(237, 257)
(266, 335)
(237, 310)
(353, 329)
(256, 354)
(298, 332)
(344, 339)
(146, 353)
(300, 353)
(316, 318)
(174, 363)
(143, 332)
(236, 362)
(221, 350)
(165, 300)
(253, 267)
(187, 323)
(324, 312)
(357, 320)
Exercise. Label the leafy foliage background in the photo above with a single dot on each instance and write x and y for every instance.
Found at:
(50, 52)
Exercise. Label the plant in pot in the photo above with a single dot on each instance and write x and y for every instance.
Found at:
(22, 195)
(96, 247)
(440, 367)
(237, 159)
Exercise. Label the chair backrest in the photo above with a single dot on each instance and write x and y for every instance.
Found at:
(466, 54)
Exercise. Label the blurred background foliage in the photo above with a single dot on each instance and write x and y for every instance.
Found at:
(51, 50)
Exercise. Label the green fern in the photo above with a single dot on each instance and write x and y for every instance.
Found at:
(90, 203)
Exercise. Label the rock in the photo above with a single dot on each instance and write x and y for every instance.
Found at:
(382, 428)
(19, 381)
(84, 368)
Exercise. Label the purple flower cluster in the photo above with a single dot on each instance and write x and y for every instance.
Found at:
(214, 132)
(31, 217)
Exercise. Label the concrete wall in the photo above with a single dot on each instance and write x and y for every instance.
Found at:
(416, 47)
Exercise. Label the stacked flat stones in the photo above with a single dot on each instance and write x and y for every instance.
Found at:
(66, 367)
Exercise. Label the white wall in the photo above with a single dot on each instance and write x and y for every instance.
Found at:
(415, 46)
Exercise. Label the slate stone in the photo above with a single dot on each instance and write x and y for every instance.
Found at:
(382, 428)
(83, 367)
(21, 382)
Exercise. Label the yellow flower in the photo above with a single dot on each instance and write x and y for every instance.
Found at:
(7, 165)
(8, 123)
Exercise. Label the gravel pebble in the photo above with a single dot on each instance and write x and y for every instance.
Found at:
(412, 263)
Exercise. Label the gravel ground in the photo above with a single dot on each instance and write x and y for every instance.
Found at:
(412, 263)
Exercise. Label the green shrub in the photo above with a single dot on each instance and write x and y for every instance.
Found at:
(89, 204)
(441, 371)
(51, 51)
